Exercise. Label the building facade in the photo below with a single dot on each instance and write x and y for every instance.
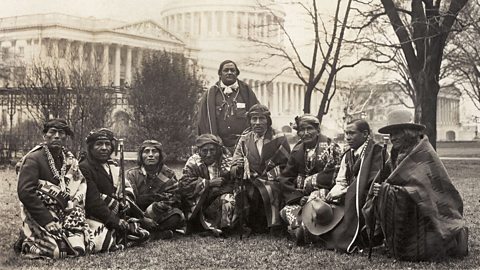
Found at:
(208, 31)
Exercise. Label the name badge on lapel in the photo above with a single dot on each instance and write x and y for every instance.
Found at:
(241, 105)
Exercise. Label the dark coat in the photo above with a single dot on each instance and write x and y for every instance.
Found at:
(35, 166)
(327, 157)
(345, 236)
(98, 182)
(207, 122)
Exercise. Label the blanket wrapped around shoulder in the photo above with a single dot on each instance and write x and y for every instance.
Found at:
(419, 209)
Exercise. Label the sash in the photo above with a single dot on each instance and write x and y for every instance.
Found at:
(55, 192)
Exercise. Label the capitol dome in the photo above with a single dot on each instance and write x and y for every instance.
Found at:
(220, 19)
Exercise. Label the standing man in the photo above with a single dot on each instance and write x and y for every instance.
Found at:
(52, 190)
(224, 106)
(359, 166)
(267, 154)
(155, 187)
(104, 195)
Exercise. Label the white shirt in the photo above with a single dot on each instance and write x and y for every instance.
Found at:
(341, 183)
(228, 89)
(259, 143)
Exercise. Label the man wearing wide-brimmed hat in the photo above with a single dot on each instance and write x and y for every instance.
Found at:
(155, 187)
(266, 154)
(419, 209)
(309, 172)
(52, 190)
(207, 188)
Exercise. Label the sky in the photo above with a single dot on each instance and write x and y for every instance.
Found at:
(125, 10)
(139, 10)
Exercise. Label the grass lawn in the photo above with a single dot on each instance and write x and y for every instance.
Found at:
(251, 253)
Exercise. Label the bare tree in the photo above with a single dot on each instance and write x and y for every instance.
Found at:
(422, 29)
(322, 63)
(72, 91)
(463, 52)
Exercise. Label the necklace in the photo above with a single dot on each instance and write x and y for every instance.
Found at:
(60, 176)
(309, 159)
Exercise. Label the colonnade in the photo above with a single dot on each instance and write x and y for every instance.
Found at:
(220, 23)
(280, 97)
(448, 111)
(115, 61)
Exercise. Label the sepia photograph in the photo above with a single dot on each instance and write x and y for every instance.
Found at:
(248, 134)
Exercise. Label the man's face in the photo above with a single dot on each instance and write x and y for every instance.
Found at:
(102, 149)
(55, 138)
(307, 132)
(397, 137)
(228, 74)
(209, 153)
(150, 156)
(259, 124)
(355, 138)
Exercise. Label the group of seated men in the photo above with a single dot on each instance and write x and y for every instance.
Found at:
(342, 200)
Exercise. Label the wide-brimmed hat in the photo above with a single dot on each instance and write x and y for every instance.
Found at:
(320, 217)
(400, 120)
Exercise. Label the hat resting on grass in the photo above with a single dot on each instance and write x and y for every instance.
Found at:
(320, 217)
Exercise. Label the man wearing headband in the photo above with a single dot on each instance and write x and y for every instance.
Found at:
(419, 210)
(266, 154)
(52, 190)
(207, 188)
(104, 195)
(223, 107)
(155, 187)
(309, 172)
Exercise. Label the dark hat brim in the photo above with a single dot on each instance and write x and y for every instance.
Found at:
(318, 229)
(388, 129)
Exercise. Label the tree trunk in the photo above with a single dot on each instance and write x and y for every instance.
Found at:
(308, 99)
(426, 107)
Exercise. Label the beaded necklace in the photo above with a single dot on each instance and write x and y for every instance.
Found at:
(51, 163)
(309, 160)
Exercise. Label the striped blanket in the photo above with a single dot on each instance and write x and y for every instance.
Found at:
(419, 209)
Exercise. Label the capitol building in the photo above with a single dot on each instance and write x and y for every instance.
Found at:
(207, 31)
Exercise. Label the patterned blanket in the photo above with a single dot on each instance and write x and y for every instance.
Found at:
(419, 209)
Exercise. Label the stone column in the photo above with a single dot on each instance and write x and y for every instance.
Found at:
(214, 23)
(295, 98)
(54, 48)
(118, 50)
(92, 54)
(139, 57)
(291, 99)
(262, 93)
(203, 23)
(192, 24)
(105, 72)
(224, 23)
(235, 24)
(128, 66)
(68, 50)
(276, 94)
(80, 53)
(183, 20)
